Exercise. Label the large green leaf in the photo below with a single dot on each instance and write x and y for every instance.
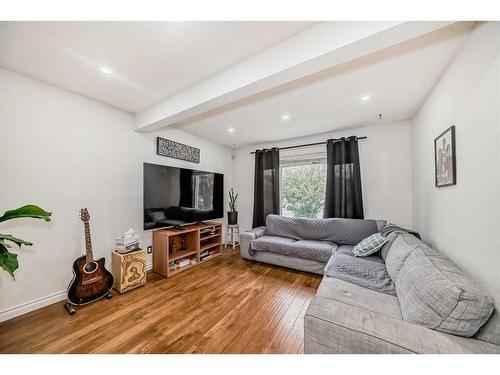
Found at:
(17, 241)
(5, 244)
(8, 261)
(29, 210)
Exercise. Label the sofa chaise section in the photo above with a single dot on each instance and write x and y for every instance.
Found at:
(436, 308)
(351, 326)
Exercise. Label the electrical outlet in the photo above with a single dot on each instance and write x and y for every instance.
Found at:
(150, 249)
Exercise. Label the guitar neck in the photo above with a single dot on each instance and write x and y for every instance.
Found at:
(88, 243)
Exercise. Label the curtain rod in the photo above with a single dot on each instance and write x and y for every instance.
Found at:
(307, 145)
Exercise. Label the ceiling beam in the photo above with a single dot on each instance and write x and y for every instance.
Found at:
(321, 47)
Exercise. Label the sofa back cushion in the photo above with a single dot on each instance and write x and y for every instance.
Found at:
(384, 251)
(397, 253)
(339, 231)
(434, 293)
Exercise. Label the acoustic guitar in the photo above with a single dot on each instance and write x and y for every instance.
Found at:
(91, 280)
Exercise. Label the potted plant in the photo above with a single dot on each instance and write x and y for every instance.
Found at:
(8, 260)
(232, 214)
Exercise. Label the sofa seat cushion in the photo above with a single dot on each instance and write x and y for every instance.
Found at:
(320, 251)
(336, 230)
(434, 293)
(270, 243)
(358, 296)
(368, 272)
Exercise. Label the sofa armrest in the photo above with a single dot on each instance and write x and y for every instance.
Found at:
(247, 237)
(335, 327)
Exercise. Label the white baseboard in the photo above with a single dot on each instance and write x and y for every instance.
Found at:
(27, 307)
(32, 305)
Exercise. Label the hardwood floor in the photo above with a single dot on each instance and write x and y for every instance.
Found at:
(227, 305)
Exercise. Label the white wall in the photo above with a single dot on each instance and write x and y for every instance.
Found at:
(63, 152)
(463, 220)
(386, 171)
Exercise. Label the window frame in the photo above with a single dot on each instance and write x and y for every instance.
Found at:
(297, 161)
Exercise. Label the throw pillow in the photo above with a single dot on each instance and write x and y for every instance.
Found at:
(369, 245)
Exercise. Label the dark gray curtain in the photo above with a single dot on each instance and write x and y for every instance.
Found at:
(266, 186)
(343, 196)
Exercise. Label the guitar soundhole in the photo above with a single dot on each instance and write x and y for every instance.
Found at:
(90, 267)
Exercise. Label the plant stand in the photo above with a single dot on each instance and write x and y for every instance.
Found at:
(233, 235)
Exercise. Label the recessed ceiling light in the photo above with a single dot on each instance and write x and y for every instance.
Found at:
(365, 98)
(231, 130)
(285, 116)
(105, 70)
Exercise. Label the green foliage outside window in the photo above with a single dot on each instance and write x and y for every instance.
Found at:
(303, 190)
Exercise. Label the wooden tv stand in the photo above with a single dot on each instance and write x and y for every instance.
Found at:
(198, 240)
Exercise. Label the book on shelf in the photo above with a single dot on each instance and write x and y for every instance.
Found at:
(180, 263)
(207, 254)
(210, 250)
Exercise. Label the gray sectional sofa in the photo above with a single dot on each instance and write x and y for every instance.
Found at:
(407, 298)
(303, 244)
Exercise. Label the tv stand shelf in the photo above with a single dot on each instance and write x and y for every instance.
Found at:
(182, 254)
(177, 250)
(203, 238)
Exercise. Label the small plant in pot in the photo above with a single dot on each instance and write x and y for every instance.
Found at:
(232, 214)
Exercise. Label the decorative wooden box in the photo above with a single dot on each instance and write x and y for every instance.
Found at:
(129, 270)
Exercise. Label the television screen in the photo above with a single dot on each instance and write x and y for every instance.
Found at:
(177, 196)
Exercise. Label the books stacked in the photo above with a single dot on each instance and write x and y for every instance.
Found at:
(179, 263)
(127, 243)
(207, 254)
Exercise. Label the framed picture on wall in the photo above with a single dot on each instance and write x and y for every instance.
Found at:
(445, 159)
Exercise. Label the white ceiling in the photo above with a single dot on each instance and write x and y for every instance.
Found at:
(397, 79)
(150, 60)
(155, 60)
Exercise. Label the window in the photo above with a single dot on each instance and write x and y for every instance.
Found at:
(203, 185)
(303, 181)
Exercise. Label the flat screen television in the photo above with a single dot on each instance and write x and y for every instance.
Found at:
(177, 196)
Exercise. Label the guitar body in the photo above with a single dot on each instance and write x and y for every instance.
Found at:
(91, 281)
